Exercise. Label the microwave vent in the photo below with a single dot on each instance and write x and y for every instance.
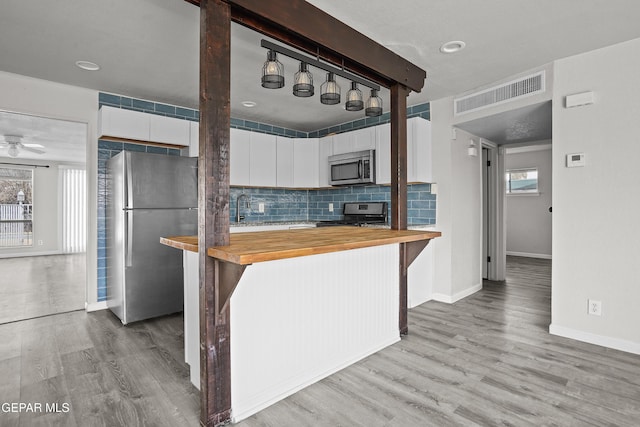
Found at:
(507, 92)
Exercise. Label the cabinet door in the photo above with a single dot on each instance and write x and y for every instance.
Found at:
(383, 154)
(284, 161)
(305, 163)
(168, 130)
(420, 152)
(239, 161)
(194, 139)
(324, 150)
(363, 139)
(341, 143)
(263, 160)
(122, 123)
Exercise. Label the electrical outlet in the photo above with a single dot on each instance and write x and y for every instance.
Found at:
(595, 307)
(330, 207)
(40, 243)
(261, 207)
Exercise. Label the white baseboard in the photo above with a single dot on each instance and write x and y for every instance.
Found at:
(95, 306)
(26, 254)
(450, 299)
(604, 341)
(529, 255)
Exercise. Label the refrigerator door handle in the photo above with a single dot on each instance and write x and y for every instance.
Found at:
(128, 179)
(128, 219)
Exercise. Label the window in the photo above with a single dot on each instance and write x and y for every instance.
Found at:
(522, 181)
(16, 207)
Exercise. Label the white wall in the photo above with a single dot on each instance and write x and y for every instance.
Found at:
(47, 99)
(596, 241)
(528, 217)
(458, 271)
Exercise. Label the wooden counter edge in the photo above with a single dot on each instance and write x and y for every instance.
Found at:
(186, 243)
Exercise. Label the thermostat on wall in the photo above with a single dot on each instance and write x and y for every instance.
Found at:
(575, 160)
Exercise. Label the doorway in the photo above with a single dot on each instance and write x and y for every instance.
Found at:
(43, 225)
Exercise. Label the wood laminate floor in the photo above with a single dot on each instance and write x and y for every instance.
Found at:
(41, 285)
(487, 360)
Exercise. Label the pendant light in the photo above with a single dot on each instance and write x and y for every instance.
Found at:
(330, 91)
(272, 72)
(374, 105)
(354, 98)
(303, 82)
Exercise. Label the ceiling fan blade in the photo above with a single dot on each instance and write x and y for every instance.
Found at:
(33, 150)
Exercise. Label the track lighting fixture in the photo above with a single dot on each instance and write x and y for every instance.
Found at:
(354, 98)
(272, 72)
(330, 91)
(303, 82)
(374, 105)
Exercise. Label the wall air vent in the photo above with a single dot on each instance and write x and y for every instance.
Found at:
(506, 92)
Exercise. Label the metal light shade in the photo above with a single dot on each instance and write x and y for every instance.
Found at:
(303, 82)
(272, 72)
(330, 91)
(354, 98)
(374, 105)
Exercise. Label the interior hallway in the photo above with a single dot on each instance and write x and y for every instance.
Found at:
(41, 285)
(486, 360)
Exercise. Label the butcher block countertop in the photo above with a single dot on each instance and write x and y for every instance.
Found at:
(260, 246)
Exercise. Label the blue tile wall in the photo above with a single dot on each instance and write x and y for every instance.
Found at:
(420, 110)
(421, 204)
(279, 204)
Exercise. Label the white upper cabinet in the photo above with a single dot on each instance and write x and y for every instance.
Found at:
(383, 154)
(356, 140)
(325, 149)
(421, 151)
(263, 160)
(284, 160)
(139, 126)
(119, 123)
(239, 164)
(168, 130)
(306, 159)
(194, 139)
(419, 168)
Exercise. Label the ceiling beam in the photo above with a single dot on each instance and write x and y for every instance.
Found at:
(307, 28)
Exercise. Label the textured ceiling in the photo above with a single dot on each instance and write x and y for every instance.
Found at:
(148, 49)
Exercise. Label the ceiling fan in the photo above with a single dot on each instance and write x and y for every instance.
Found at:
(14, 145)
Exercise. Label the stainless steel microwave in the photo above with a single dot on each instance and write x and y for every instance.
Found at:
(353, 168)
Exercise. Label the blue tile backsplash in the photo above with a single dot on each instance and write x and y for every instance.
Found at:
(280, 204)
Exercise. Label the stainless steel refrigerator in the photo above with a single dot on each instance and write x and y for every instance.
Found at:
(148, 196)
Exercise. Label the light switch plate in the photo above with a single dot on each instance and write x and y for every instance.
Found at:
(261, 207)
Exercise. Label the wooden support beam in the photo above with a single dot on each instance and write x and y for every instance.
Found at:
(305, 27)
(409, 251)
(399, 95)
(213, 201)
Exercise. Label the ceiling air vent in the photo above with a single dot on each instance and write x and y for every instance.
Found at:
(515, 89)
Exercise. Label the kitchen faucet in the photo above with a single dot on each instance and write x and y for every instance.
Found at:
(246, 205)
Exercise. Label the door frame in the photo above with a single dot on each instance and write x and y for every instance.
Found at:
(496, 232)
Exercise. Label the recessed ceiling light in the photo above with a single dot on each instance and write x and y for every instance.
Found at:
(86, 65)
(453, 46)
(248, 104)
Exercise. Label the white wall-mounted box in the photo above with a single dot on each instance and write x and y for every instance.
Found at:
(575, 160)
(578, 99)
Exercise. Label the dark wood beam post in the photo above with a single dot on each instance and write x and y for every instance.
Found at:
(213, 200)
(399, 95)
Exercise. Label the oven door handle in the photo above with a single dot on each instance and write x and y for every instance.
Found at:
(359, 169)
